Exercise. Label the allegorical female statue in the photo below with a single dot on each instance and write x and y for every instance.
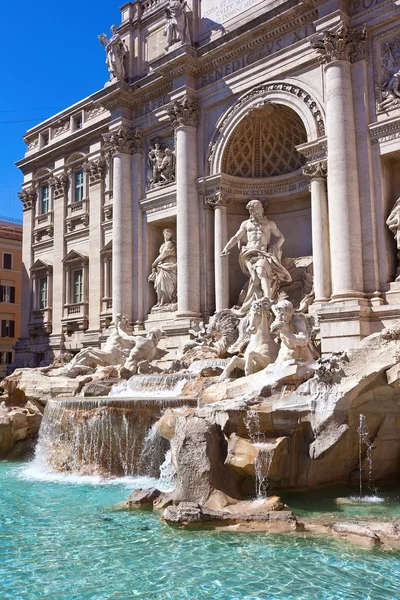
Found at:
(176, 27)
(164, 274)
(115, 53)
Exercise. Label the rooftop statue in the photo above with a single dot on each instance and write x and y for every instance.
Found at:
(164, 274)
(115, 53)
(259, 258)
(177, 27)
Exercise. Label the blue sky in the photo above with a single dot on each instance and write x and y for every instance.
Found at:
(51, 59)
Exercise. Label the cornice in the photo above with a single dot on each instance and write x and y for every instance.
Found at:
(64, 146)
(385, 130)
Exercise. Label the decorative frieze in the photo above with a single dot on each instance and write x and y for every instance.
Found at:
(59, 185)
(341, 43)
(162, 165)
(33, 144)
(123, 140)
(388, 89)
(183, 112)
(92, 113)
(27, 197)
(60, 128)
(96, 170)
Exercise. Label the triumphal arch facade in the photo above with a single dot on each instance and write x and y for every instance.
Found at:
(132, 197)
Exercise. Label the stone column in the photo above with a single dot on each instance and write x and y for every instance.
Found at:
(120, 143)
(59, 186)
(336, 48)
(320, 230)
(183, 115)
(95, 173)
(221, 268)
(28, 199)
(137, 224)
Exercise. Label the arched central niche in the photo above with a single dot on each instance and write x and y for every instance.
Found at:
(264, 144)
(260, 160)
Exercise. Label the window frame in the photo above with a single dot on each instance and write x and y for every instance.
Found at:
(10, 268)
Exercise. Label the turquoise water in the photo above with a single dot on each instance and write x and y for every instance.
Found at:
(61, 541)
(341, 502)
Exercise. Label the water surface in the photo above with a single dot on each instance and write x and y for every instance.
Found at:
(59, 540)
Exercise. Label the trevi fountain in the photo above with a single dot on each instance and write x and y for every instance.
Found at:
(227, 424)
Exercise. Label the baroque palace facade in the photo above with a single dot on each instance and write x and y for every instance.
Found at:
(209, 105)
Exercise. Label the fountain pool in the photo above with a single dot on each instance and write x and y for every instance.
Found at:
(61, 540)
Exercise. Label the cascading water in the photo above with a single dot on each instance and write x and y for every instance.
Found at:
(150, 386)
(107, 436)
(166, 482)
(363, 440)
(263, 461)
(252, 423)
(262, 465)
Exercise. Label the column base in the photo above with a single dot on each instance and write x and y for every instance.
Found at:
(187, 315)
(348, 296)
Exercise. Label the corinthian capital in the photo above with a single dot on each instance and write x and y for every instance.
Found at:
(217, 200)
(122, 140)
(341, 43)
(183, 112)
(316, 170)
(95, 169)
(59, 184)
(27, 197)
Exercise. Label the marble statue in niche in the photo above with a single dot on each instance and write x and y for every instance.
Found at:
(393, 222)
(115, 53)
(390, 87)
(259, 257)
(164, 275)
(162, 165)
(177, 26)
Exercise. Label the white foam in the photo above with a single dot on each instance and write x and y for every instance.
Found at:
(367, 499)
(35, 471)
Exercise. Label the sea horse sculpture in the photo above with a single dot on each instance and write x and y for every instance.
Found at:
(262, 349)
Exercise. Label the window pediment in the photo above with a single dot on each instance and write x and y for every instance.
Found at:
(41, 266)
(74, 257)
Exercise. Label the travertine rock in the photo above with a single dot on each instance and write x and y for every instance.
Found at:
(141, 498)
(16, 425)
(198, 453)
(188, 514)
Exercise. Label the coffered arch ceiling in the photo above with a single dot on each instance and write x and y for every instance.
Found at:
(264, 143)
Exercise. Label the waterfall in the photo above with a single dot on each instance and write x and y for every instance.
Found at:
(363, 440)
(262, 465)
(263, 461)
(104, 436)
(151, 386)
(252, 424)
(166, 482)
